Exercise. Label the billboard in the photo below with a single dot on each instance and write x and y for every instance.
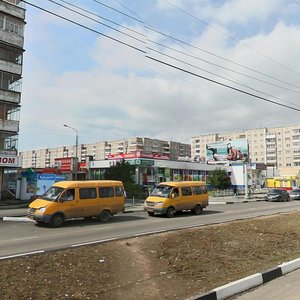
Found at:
(227, 152)
(44, 181)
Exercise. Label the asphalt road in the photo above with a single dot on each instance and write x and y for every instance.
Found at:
(26, 237)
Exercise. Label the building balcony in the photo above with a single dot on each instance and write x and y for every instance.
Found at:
(16, 10)
(10, 67)
(9, 126)
(12, 39)
(10, 96)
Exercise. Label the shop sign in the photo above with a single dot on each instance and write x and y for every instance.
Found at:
(9, 161)
(137, 154)
(64, 164)
(140, 162)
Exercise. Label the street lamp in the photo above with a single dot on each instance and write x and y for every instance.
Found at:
(76, 155)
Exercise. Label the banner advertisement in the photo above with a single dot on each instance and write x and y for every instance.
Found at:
(227, 152)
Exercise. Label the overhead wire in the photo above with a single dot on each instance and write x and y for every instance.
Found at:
(232, 38)
(160, 61)
(151, 28)
(211, 73)
(222, 84)
(118, 11)
(85, 27)
(218, 56)
(85, 16)
(105, 19)
(219, 66)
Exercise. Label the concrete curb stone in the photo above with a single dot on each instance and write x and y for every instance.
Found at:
(247, 283)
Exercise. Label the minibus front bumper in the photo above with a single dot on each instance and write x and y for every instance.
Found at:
(38, 217)
(158, 211)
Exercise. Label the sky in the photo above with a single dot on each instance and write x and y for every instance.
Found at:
(162, 69)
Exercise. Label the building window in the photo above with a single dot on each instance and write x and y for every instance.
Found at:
(11, 25)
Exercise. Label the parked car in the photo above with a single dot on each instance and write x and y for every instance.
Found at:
(295, 194)
(278, 195)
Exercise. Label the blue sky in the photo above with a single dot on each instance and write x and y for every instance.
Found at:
(109, 91)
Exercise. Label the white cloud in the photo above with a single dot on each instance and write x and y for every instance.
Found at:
(111, 91)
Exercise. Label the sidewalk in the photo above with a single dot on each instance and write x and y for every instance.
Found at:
(236, 199)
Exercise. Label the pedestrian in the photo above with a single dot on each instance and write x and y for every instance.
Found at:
(235, 191)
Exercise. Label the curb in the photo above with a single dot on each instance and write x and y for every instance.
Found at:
(244, 284)
(16, 219)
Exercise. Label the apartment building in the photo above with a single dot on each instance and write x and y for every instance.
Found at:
(12, 22)
(277, 147)
(128, 147)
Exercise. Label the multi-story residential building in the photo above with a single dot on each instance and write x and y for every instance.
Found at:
(277, 147)
(12, 22)
(128, 147)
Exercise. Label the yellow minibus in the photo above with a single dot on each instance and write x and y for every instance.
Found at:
(78, 199)
(170, 197)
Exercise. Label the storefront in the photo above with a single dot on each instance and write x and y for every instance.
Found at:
(149, 172)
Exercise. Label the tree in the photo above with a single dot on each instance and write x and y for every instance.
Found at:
(219, 179)
(123, 171)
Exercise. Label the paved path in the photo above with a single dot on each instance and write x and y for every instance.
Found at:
(283, 288)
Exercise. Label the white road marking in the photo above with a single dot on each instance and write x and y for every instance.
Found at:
(22, 254)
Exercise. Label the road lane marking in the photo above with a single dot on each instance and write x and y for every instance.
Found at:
(26, 238)
(22, 254)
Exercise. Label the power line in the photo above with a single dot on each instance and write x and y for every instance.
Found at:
(83, 15)
(232, 38)
(159, 61)
(151, 28)
(241, 84)
(85, 27)
(108, 20)
(118, 11)
(222, 84)
(218, 56)
(127, 8)
(219, 66)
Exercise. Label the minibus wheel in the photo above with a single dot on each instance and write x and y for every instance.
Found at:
(104, 216)
(197, 210)
(57, 220)
(170, 212)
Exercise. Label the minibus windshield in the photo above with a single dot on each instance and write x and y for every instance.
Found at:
(162, 191)
(52, 194)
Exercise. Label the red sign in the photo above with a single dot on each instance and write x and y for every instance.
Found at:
(64, 164)
(137, 154)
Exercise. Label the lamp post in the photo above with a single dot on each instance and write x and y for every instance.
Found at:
(76, 151)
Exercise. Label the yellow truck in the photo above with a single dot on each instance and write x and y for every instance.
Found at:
(170, 197)
(78, 199)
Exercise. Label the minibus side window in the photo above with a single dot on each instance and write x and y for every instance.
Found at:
(204, 189)
(68, 195)
(197, 190)
(186, 191)
(87, 193)
(106, 192)
(174, 193)
(119, 191)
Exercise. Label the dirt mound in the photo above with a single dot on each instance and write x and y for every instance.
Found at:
(174, 265)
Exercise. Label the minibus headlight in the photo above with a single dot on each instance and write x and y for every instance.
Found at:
(159, 204)
(41, 210)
